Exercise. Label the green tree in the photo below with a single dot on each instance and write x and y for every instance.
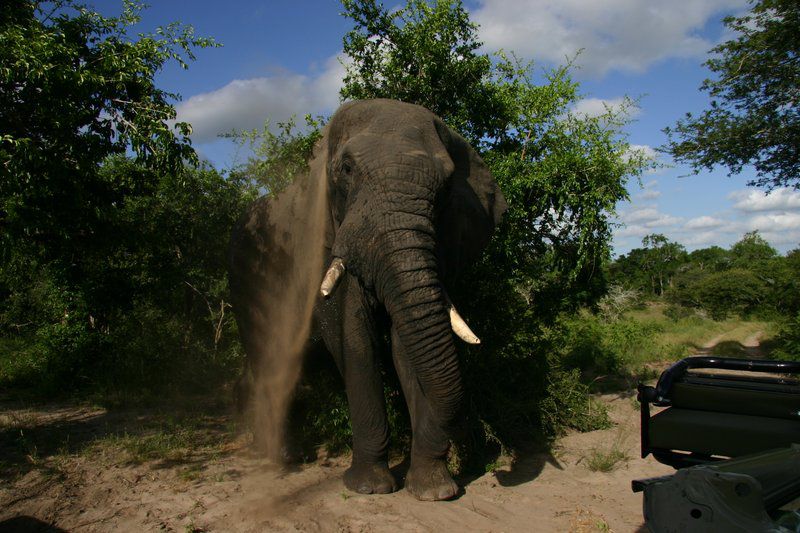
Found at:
(737, 291)
(662, 259)
(277, 158)
(753, 118)
(113, 267)
(76, 87)
(711, 259)
(751, 250)
(650, 269)
(750, 278)
(426, 54)
(628, 271)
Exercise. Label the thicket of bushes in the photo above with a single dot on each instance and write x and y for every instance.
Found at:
(142, 304)
(749, 279)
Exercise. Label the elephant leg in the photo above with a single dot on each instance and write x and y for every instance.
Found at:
(428, 477)
(355, 346)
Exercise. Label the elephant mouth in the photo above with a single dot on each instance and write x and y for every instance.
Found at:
(457, 323)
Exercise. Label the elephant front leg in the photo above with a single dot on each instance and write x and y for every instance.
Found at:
(369, 472)
(355, 347)
(428, 477)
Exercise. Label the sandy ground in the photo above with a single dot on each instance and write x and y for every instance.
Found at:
(231, 489)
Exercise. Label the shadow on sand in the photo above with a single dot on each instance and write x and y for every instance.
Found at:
(31, 435)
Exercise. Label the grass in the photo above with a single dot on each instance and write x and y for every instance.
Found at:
(605, 460)
(20, 362)
(615, 353)
(185, 435)
(681, 337)
(170, 441)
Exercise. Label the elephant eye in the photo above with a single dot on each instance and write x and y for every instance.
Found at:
(347, 167)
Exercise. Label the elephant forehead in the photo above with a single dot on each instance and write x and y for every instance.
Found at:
(382, 109)
(382, 117)
(409, 141)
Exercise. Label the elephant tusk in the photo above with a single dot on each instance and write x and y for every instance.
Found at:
(460, 327)
(332, 277)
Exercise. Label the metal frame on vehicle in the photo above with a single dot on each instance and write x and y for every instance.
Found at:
(782, 381)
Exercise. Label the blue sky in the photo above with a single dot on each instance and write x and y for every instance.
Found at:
(280, 58)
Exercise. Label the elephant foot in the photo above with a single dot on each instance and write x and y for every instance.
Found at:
(429, 480)
(370, 478)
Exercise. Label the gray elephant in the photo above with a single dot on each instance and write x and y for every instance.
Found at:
(395, 205)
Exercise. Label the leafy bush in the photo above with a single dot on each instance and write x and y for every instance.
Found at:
(113, 267)
(736, 291)
(592, 343)
(678, 312)
(787, 342)
(144, 304)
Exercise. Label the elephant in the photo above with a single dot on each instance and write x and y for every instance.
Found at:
(402, 205)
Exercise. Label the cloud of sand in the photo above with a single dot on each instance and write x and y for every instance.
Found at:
(300, 215)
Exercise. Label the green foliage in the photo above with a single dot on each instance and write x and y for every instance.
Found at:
(748, 279)
(277, 158)
(751, 249)
(756, 281)
(424, 54)
(788, 339)
(113, 271)
(753, 117)
(76, 87)
(652, 268)
(604, 460)
(616, 353)
(149, 309)
(711, 259)
(736, 290)
(604, 346)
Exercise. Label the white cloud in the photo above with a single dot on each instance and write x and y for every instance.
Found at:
(641, 150)
(649, 217)
(788, 240)
(631, 230)
(649, 195)
(626, 35)
(641, 215)
(776, 216)
(645, 150)
(595, 107)
(644, 221)
(704, 222)
(776, 222)
(701, 239)
(755, 200)
(246, 104)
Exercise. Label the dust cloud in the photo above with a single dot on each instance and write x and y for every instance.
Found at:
(298, 217)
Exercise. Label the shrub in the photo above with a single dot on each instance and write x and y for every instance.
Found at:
(787, 343)
(591, 343)
(143, 306)
(678, 312)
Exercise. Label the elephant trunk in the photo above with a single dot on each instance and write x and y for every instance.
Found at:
(408, 285)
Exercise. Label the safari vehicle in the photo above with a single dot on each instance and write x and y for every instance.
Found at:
(732, 429)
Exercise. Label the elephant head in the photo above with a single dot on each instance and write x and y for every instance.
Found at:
(411, 203)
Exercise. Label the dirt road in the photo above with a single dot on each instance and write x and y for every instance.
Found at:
(224, 487)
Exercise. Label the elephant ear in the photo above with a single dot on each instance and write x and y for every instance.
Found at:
(471, 207)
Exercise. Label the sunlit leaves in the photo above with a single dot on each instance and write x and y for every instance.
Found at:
(753, 118)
